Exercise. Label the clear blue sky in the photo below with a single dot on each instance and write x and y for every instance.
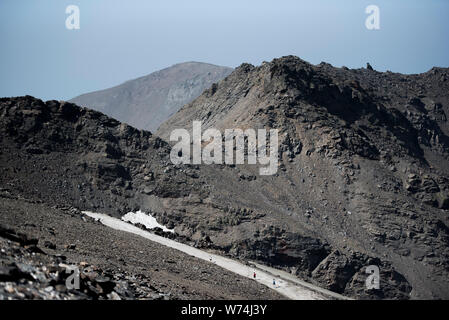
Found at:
(122, 40)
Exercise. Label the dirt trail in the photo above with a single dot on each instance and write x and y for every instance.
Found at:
(295, 290)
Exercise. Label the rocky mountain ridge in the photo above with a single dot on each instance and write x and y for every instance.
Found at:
(363, 164)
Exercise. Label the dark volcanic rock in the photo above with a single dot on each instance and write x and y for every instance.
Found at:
(87, 160)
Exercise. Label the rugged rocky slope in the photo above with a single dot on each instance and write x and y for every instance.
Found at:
(362, 178)
(59, 153)
(363, 174)
(39, 242)
(55, 158)
(148, 101)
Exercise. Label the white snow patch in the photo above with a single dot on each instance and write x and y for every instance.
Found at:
(146, 219)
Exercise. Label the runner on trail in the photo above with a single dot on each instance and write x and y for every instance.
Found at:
(254, 275)
(274, 282)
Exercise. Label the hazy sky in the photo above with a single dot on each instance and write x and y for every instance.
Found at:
(122, 40)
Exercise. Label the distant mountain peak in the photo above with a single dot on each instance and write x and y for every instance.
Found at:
(147, 101)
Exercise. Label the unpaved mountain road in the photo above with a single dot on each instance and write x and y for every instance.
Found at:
(284, 284)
